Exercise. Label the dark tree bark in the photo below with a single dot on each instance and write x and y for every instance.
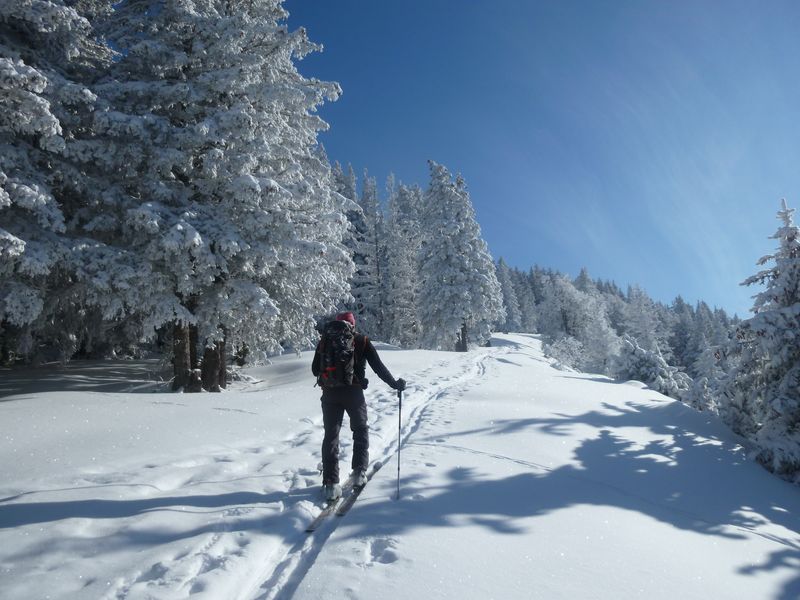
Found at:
(223, 364)
(211, 368)
(461, 340)
(195, 383)
(181, 357)
(214, 367)
(193, 347)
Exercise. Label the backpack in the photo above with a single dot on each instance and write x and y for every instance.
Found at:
(337, 353)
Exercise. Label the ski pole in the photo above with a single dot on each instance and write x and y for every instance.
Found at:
(399, 438)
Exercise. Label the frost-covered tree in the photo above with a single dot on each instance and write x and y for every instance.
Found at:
(344, 183)
(707, 377)
(681, 332)
(584, 283)
(48, 53)
(367, 285)
(403, 239)
(569, 312)
(642, 321)
(764, 390)
(460, 298)
(527, 301)
(513, 320)
(538, 280)
(219, 186)
(635, 362)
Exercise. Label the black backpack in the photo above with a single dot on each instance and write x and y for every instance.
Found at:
(337, 354)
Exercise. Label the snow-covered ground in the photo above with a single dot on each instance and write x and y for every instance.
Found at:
(518, 481)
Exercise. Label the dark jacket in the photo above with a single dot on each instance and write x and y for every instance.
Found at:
(365, 353)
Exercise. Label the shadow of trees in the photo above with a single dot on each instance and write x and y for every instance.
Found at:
(84, 375)
(243, 511)
(692, 479)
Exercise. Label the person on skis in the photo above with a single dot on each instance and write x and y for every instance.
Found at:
(340, 368)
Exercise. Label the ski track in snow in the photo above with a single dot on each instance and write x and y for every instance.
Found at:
(282, 578)
(252, 545)
(270, 569)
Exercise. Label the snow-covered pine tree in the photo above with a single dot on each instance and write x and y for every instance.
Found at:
(513, 320)
(403, 238)
(367, 285)
(570, 313)
(681, 333)
(584, 283)
(344, 183)
(538, 280)
(640, 364)
(213, 136)
(527, 301)
(48, 51)
(460, 298)
(642, 322)
(764, 391)
(707, 375)
(560, 308)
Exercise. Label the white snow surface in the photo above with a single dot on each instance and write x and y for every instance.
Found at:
(518, 480)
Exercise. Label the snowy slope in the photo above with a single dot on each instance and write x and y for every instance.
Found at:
(518, 481)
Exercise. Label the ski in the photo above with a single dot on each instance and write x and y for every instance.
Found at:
(329, 507)
(348, 502)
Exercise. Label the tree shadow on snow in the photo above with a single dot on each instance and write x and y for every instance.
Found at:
(127, 376)
(694, 482)
(18, 514)
(244, 511)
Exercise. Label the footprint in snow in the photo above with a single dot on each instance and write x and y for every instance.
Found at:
(383, 551)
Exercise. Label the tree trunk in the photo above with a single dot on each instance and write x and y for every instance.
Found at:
(214, 367)
(461, 340)
(194, 384)
(223, 365)
(211, 368)
(193, 347)
(181, 357)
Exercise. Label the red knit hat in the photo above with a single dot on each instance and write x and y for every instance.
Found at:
(347, 316)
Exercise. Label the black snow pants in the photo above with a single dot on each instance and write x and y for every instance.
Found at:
(335, 402)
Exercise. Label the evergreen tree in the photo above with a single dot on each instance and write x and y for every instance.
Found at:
(640, 364)
(49, 53)
(367, 283)
(641, 322)
(224, 192)
(681, 333)
(513, 320)
(764, 390)
(527, 301)
(584, 283)
(403, 239)
(707, 376)
(570, 313)
(460, 298)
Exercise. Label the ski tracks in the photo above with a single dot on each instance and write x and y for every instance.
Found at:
(429, 399)
(255, 548)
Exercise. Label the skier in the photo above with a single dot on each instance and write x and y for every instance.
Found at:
(340, 365)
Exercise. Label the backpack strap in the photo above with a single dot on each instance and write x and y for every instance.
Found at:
(358, 356)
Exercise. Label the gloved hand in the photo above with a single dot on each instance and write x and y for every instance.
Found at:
(364, 383)
(400, 385)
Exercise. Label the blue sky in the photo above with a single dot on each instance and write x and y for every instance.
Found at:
(648, 141)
